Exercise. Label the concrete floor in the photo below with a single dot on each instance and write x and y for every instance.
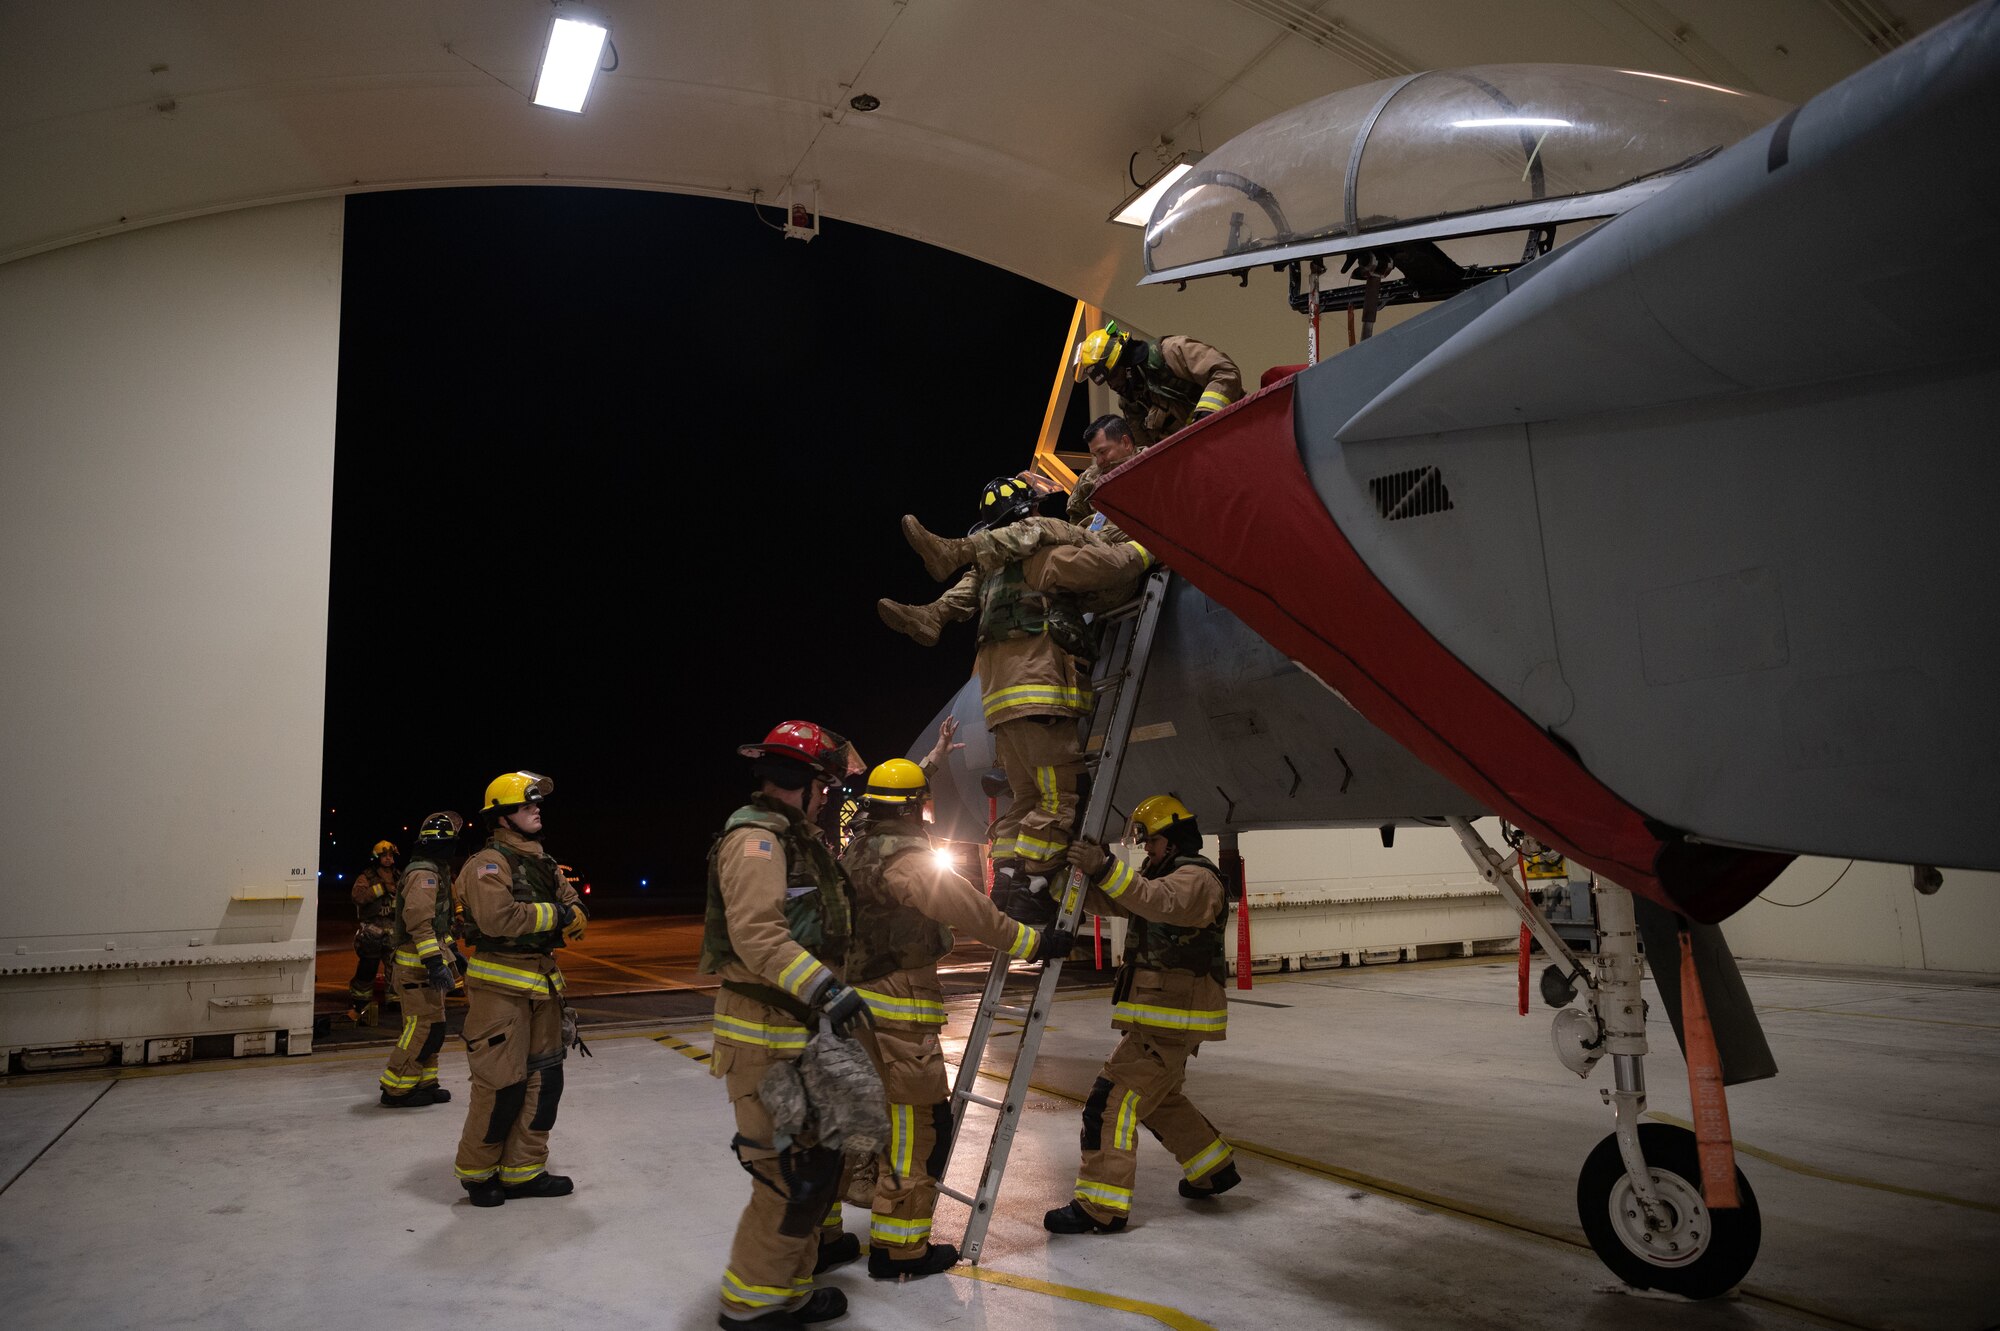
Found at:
(1408, 1146)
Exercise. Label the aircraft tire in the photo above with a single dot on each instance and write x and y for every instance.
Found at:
(1703, 1254)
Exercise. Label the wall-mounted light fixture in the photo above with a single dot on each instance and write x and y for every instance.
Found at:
(1136, 209)
(571, 59)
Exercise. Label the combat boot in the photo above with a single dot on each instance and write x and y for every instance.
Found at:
(942, 555)
(919, 622)
(484, 1192)
(941, 1257)
(1221, 1181)
(541, 1185)
(1073, 1219)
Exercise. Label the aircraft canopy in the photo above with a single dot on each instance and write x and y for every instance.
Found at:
(1447, 153)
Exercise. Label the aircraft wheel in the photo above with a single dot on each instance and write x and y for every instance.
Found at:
(1698, 1253)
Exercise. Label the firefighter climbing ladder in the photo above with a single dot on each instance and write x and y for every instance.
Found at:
(1121, 673)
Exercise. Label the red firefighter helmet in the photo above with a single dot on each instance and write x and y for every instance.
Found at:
(813, 745)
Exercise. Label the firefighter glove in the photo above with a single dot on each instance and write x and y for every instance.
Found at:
(842, 1007)
(1088, 856)
(1055, 945)
(439, 973)
(573, 931)
(565, 916)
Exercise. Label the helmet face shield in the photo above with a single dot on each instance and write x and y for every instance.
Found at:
(515, 788)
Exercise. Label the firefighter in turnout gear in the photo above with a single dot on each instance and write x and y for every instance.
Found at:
(1088, 557)
(1161, 386)
(775, 928)
(1168, 1000)
(906, 905)
(518, 910)
(374, 896)
(425, 963)
(1034, 684)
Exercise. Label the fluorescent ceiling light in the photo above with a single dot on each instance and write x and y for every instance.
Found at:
(1510, 120)
(1137, 210)
(576, 45)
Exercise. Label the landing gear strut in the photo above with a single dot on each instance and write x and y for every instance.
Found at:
(1639, 1196)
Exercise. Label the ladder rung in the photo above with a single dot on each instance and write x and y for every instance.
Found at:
(1014, 1010)
(978, 1099)
(961, 1198)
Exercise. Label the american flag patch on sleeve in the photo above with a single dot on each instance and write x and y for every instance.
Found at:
(757, 848)
(489, 868)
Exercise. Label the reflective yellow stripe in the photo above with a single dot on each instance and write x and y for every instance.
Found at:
(1171, 1018)
(1023, 945)
(1120, 878)
(426, 947)
(902, 1138)
(513, 977)
(410, 959)
(757, 1033)
(1002, 849)
(1104, 1194)
(474, 1175)
(409, 1030)
(926, 1010)
(1045, 782)
(1126, 1134)
(803, 971)
(1034, 848)
(394, 1082)
(518, 1173)
(1213, 400)
(734, 1290)
(833, 1219)
(545, 917)
(378, 889)
(898, 1233)
(1038, 695)
(1212, 1157)
(1145, 555)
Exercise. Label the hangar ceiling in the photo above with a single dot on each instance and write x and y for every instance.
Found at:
(1004, 130)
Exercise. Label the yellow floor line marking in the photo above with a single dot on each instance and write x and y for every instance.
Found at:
(1160, 1313)
(1854, 1180)
(1568, 1238)
(631, 970)
(683, 1048)
(1884, 1016)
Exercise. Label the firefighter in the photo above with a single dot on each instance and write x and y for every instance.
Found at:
(425, 963)
(518, 910)
(1168, 1000)
(1161, 386)
(775, 926)
(1088, 555)
(1034, 686)
(906, 905)
(374, 895)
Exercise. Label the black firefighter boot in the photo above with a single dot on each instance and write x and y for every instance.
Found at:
(1073, 1219)
(484, 1192)
(836, 1253)
(823, 1306)
(541, 1185)
(941, 1257)
(1221, 1181)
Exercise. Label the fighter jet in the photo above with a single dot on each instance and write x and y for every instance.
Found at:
(1663, 543)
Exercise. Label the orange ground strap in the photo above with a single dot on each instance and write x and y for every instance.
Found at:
(1705, 1089)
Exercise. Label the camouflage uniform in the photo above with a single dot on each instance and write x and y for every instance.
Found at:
(1176, 380)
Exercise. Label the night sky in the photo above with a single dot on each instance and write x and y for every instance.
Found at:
(616, 486)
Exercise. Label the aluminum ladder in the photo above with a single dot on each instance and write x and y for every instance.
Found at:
(1120, 675)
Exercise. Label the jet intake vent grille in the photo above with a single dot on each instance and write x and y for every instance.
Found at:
(1410, 494)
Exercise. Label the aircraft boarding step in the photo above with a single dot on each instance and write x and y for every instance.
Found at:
(1130, 645)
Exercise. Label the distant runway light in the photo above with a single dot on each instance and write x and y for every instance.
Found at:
(569, 63)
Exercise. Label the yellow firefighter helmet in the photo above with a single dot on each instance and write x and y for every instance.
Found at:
(896, 782)
(513, 789)
(383, 848)
(1155, 816)
(1097, 355)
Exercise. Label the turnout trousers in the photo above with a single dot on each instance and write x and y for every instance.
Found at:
(767, 1269)
(1141, 1083)
(513, 1047)
(1043, 763)
(906, 1176)
(414, 1060)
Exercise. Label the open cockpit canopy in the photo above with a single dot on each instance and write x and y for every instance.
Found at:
(1443, 154)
